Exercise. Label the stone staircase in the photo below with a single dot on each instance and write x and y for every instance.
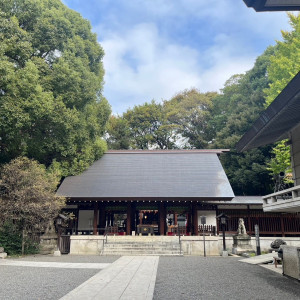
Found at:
(142, 245)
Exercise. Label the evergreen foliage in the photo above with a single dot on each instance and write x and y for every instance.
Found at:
(149, 127)
(11, 240)
(51, 77)
(27, 196)
(285, 64)
(234, 112)
(190, 112)
(118, 133)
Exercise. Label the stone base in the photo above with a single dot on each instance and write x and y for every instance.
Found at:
(48, 243)
(57, 253)
(3, 255)
(241, 244)
(224, 253)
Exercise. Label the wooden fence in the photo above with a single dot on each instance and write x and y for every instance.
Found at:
(208, 230)
(272, 224)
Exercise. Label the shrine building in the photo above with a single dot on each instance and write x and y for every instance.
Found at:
(157, 192)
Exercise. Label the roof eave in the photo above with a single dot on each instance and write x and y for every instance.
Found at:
(262, 5)
(277, 111)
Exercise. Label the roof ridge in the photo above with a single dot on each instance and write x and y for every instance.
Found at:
(167, 151)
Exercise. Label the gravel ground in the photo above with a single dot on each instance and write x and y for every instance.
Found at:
(22, 283)
(188, 278)
(30, 283)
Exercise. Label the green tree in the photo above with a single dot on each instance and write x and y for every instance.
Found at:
(27, 195)
(118, 133)
(149, 127)
(285, 64)
(189, 112)
(234, 112)
(281, 161)
(51, 77)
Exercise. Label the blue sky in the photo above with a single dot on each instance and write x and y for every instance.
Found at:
(157, 48)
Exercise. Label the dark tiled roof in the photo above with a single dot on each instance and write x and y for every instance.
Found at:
(151, 175)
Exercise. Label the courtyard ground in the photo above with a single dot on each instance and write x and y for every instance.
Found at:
(47, 277)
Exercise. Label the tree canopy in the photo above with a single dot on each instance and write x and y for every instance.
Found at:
(51, 77)
(284, 65)
(27, 194)
(234, 112)
(190, 112)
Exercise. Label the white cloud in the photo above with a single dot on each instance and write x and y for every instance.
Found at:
(146, 60)
(141, 66)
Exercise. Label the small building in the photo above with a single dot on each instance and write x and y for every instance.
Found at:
(152, 191)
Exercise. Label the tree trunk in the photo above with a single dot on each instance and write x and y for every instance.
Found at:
(23, 241)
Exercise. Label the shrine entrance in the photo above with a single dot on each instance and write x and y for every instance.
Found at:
(147, 222)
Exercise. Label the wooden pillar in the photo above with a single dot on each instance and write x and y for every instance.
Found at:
(282, 225)
(137, 217)
(162, 218)
(129, 217)
(195, 218)
(175, 218)
(95, 221)
(76, 221)
(189, 223)
(112, 215)
(141, 218)
(218, 221)
(133, 222)
(102, 221)
(249, 220)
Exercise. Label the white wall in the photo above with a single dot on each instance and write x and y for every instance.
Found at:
(210, 217)
(191, 245)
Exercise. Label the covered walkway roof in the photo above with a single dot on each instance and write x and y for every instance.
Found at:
(152, 175)
(273, 5)
(277, 120)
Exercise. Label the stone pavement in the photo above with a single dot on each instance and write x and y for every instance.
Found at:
(62, 265)
(272, 268)
(260, 259)
(130, 277)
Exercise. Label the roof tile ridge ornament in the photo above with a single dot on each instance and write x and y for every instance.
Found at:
(167, 151)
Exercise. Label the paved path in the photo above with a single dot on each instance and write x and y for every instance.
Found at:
(130, 277)
(260, 259)
(62, 265)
